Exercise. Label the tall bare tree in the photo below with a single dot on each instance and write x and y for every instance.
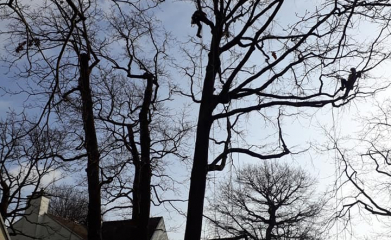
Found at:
(81, 55)
(140, 126)
(252, 62)
(60, 27)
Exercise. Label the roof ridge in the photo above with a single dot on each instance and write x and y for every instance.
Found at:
(72, 229)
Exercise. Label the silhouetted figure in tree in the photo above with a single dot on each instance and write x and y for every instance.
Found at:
(348, 84)
(198, 17)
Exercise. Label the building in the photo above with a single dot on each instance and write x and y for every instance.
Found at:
(39, 224)
(3, 231)
(121, 230)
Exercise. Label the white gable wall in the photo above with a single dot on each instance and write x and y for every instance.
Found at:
(38, 224)
(47, 229)
(160, 232)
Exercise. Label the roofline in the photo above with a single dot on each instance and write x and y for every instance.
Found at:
(70, 230)
(160, 221)
(129, 220)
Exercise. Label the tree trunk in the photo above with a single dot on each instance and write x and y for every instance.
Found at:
(200, 160)
(136, 192)
(272, 221)
(91, 145)
(198, 181)
(145, 202)
(142, 181)
(4, 200)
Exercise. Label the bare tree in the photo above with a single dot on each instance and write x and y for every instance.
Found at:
(79, 54)
(269, 201)
(251, 64)
(60, 27)
(68, 202)
(256, 65)
(140, 127)
(365, 167)
(27, 156)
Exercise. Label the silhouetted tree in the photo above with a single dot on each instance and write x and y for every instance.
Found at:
(268, 201)
(141, 129)
(78, 55)
(254, 63)
(28, 161)
(364, 167)
(68, 202)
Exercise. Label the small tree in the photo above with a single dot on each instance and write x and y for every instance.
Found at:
(271, 201)
(69, 203)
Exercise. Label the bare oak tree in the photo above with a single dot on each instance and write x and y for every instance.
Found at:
(267, 201)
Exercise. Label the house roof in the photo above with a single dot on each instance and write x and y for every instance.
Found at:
(122, 230)
(119, 230)
(76, 228)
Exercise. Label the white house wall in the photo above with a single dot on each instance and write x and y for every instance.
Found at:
(160, 232)
(48, 229)
(36, 223)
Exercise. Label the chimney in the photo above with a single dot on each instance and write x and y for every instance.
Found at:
(39, 203)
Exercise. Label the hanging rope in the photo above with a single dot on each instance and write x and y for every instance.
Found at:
(337, 172)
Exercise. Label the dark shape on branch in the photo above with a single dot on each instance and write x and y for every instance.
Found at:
(34, 41)
(348, 84)
(274, 54)
(198, 17)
